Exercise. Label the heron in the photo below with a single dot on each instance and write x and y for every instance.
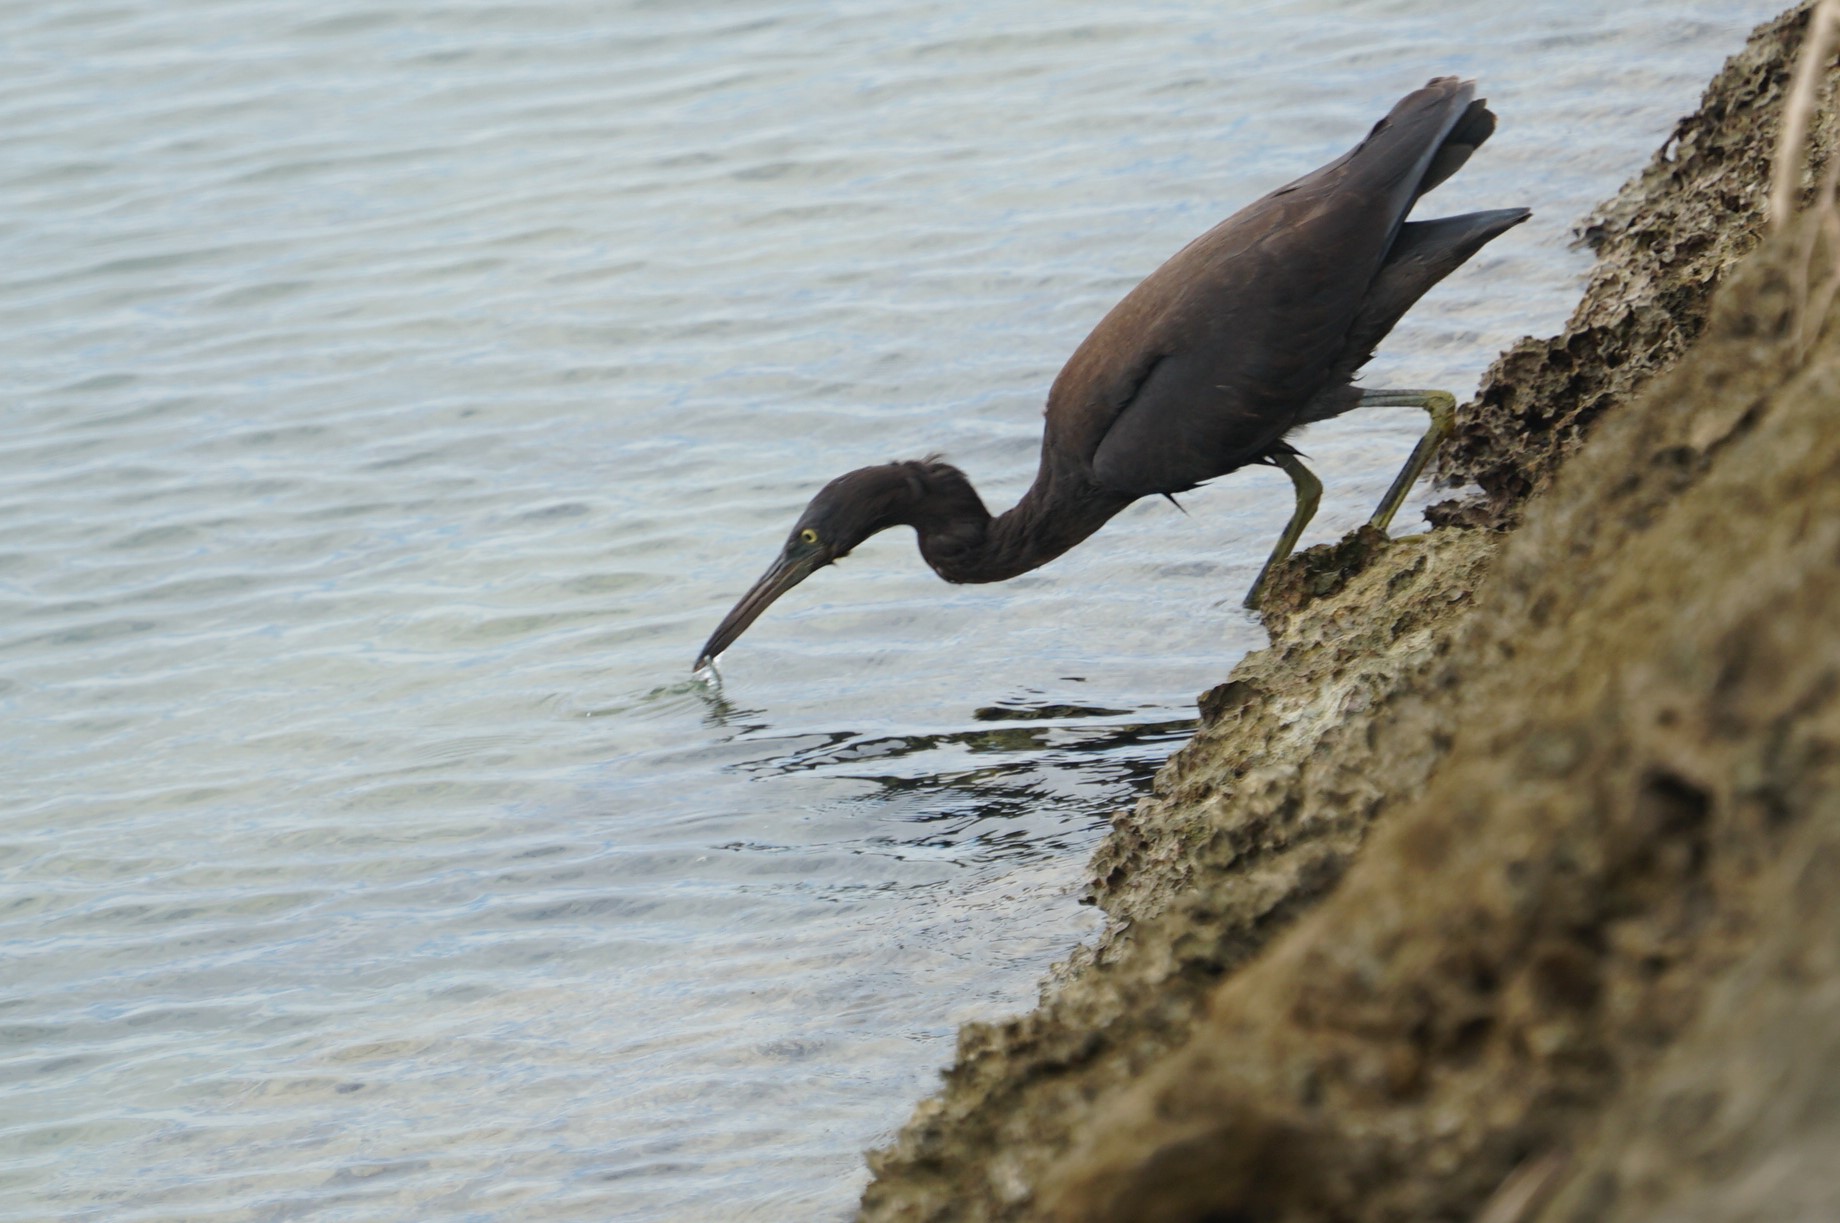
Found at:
(1256, 328)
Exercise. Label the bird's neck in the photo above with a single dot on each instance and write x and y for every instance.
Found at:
(963, 542)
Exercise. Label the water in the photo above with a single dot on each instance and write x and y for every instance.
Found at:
(395, 396)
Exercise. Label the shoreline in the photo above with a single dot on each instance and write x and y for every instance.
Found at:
(1453, 870)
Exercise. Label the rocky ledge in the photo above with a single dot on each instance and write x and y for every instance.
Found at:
(1506, 884)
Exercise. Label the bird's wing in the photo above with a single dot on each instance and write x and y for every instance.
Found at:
(1206, 364)
(1220, 369)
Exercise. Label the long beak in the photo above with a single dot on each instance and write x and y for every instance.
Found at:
(786, 573)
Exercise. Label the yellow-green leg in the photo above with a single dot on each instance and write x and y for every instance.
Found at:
(1309, 492)
(1442, 406)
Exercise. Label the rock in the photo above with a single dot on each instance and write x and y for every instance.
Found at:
(1507, 874)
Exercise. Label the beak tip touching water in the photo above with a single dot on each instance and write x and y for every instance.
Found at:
(785, 573)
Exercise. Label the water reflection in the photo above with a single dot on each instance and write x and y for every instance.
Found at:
(1031, 781)
(1060, 739)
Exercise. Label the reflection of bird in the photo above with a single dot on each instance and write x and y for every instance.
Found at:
(1251, 330)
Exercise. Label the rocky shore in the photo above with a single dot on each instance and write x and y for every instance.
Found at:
(1505, 884)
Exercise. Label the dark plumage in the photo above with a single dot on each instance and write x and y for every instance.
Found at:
(1250, 331)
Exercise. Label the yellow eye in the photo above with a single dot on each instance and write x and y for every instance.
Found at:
(808, 536)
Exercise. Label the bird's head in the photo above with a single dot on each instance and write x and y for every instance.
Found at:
(844, 513)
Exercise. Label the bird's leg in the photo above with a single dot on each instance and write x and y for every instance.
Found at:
(1309, 492)
(1442, 406)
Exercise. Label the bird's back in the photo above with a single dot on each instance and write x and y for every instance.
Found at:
(1205, 365)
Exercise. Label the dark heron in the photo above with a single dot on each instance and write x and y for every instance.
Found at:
(1252, 330)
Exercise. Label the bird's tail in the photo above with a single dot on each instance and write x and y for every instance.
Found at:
(1422, 141)
(1475, 125)
(1423, 253)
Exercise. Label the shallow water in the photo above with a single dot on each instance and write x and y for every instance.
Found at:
(398, 395)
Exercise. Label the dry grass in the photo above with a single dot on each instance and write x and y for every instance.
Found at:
(1799, 110)
(1816, 279)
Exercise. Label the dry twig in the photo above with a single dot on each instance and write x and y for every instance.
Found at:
(1798, 109)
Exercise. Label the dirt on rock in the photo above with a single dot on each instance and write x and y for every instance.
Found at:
(1505, 881)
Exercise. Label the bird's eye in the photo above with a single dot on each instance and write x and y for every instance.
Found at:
(808, 536)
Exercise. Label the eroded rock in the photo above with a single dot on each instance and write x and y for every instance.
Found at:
(1481, 863)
